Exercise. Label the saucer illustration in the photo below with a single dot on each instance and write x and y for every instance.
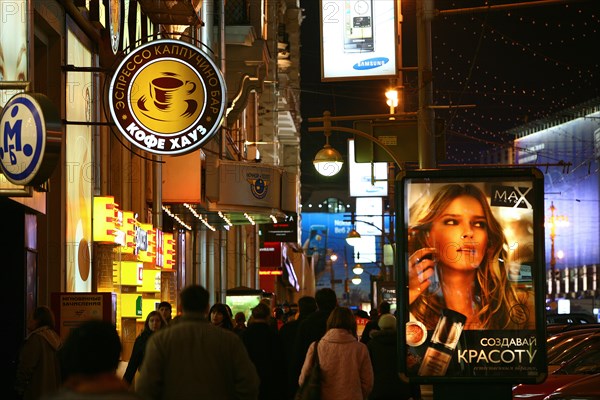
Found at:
(152, 111)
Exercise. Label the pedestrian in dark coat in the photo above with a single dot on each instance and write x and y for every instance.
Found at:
(38, 372)
(287, 335)
(262, 344)
(89, 358)
(384, 308)
(154, 322)
(382, 350)
(193, 359)
(313, 327)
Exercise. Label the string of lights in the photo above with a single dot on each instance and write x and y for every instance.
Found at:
(530, 64)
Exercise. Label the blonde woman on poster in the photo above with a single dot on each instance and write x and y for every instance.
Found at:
(458, 256)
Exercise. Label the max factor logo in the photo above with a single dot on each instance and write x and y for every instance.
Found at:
(22, 139)
(258, 185)
(512, 196)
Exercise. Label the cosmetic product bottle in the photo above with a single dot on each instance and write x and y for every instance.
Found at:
(443, 342)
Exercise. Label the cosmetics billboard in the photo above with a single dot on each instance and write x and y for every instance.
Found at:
(471, 275)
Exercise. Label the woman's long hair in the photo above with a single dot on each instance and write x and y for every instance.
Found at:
(224, 310)
(151, 314)
(493, 294)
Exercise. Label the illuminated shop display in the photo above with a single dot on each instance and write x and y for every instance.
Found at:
(168, 251)
(135, 255)
(129, 227)
(107, 221)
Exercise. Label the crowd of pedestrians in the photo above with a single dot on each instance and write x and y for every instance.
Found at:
(207, 352)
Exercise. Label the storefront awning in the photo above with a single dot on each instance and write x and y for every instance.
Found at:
(196, 215)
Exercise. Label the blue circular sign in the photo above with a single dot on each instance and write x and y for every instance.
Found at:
(23, 136)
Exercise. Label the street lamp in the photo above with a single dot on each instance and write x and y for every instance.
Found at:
(353, 237)
(358, 269)
(328, 161)
(392, 101)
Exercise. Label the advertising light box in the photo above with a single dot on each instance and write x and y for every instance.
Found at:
(243, 303)
(358, 39)
(168, 251)
(13, 42)
(150, 281)
(130, 273)
(144, 243)
(129, 228)
(148, 305)
(467, 312)
(106, 220)
(131, 305)
(366, 179)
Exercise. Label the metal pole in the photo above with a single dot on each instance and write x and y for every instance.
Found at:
(425, 115)
(157, 215)
(552, 253)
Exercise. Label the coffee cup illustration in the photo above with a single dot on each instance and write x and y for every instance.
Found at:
(170, 93)
(168, 101)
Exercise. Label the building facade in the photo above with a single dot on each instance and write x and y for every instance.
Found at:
(565, 148)
(114, 218)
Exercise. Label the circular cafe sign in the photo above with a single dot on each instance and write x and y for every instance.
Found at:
(30, 139)
(167, 97)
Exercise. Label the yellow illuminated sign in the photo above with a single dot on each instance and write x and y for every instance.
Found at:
(144, 240)
(129, 305)
(129, 227)
(169, 251)
(106, 219)
(130, 273)
(150, 281)
(270, 272)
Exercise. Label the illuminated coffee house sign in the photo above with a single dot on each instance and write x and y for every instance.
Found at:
(167, 97)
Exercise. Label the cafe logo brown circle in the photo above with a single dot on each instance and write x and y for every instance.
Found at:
(167, 97)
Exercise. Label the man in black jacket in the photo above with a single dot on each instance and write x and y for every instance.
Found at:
(384, 308)
(287, 334)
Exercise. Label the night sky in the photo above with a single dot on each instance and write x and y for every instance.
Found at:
(516, 66)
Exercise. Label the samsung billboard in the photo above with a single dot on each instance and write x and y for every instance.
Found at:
(358, 39)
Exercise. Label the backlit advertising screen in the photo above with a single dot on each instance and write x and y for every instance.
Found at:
(471, 275)
(358, 39)
(14, 18)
